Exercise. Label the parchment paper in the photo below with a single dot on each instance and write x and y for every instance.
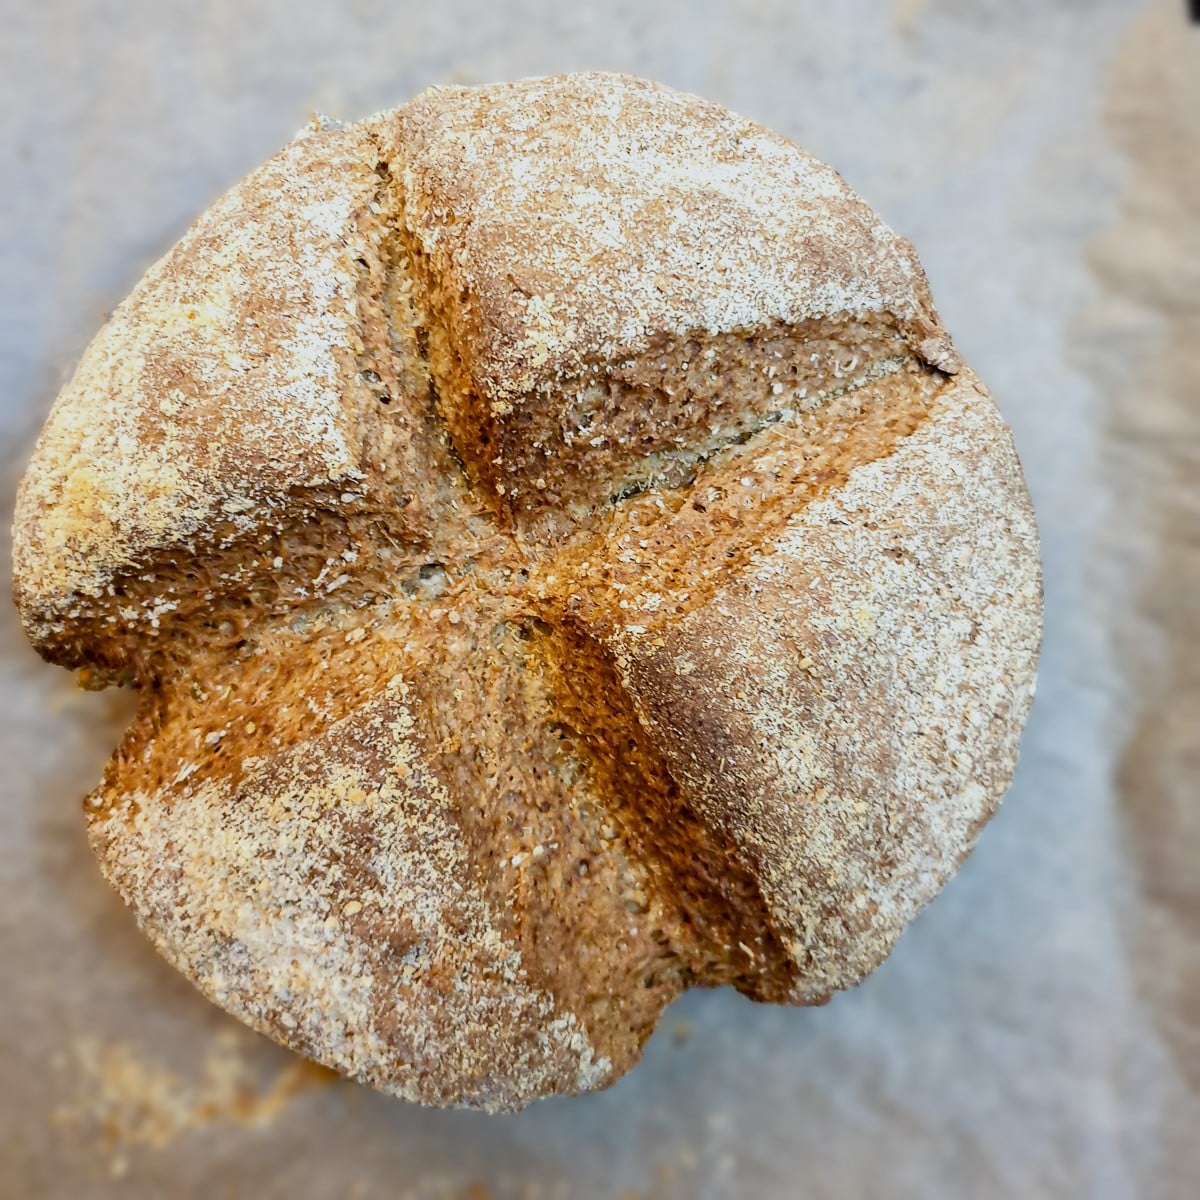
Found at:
(1037, 1032)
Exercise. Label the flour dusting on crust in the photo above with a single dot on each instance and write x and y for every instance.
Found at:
(328, 901)
(674, 215)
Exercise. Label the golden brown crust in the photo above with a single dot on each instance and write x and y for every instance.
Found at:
(848, 706)
(582, 216)
(454, 792)
(215, 389)
(328, 901)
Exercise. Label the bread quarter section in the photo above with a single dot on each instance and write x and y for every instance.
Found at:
(612, 274)
(846, 705)
(232, 400)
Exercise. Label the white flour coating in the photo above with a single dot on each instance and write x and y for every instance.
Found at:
(877, 661)
(219, 386)
(246, 890)
(677, 216)
(258, 300)
(932, 637)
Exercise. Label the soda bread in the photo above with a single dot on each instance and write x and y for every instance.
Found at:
(562, 560)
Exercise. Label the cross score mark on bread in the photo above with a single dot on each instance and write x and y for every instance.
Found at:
(562, 560)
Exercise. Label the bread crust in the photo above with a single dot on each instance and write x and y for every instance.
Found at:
(848, 707)
(215, 390)
(462, 806)
(606, 210)
(327, 900)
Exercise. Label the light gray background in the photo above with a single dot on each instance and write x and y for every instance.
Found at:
(1037, 1032)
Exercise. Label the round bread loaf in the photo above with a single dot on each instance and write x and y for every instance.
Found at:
(562, 560)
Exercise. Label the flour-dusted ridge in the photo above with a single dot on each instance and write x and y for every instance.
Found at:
(276, 901)
(876, 662)
(586, 215)
(216, 388)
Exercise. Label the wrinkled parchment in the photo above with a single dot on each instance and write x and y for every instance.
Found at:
(1037, 1032)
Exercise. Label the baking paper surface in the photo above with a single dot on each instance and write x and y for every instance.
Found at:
(1037, 1031)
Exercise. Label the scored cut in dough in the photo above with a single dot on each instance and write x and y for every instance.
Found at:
(562, 561)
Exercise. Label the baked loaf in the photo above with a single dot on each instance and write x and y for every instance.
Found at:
(562, 560)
